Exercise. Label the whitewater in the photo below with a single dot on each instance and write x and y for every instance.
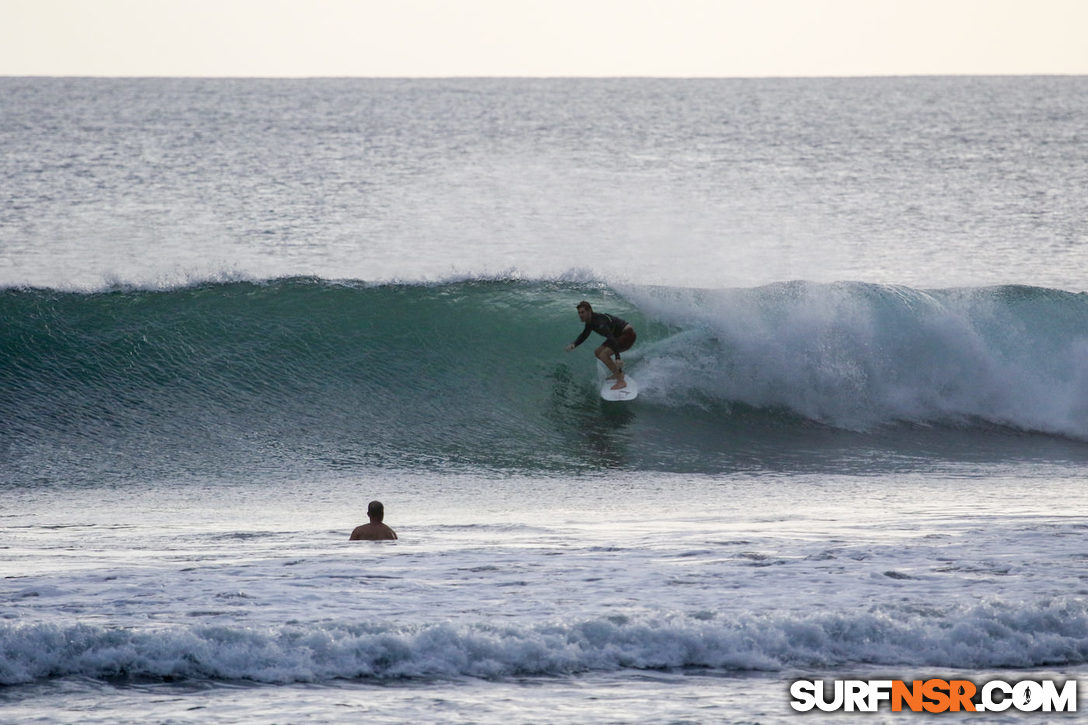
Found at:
(233, 312)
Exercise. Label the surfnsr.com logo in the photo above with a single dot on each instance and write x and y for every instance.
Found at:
(934, 695)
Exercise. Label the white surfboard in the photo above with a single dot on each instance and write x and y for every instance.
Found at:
(628, 392)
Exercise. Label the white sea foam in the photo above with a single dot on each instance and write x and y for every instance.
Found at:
(682, 571)
(986, 636)
(859, 356)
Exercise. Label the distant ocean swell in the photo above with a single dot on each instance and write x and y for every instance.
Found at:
(473, 372)
(987, 636)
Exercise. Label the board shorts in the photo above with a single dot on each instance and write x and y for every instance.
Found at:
(623, 342)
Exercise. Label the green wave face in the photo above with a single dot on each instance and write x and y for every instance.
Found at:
(256, 374)
(301, 375)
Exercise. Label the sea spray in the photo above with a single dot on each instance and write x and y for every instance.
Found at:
(988, 635)
(859, 356)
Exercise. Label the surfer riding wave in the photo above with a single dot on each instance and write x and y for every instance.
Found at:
(618, 335)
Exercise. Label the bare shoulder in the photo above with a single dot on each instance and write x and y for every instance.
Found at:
(373, 532)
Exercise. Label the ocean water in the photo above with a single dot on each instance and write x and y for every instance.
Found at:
(232, 312)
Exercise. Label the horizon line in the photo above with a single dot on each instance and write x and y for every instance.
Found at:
(78, 76)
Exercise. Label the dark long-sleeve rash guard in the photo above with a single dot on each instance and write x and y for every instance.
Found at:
(609, 326)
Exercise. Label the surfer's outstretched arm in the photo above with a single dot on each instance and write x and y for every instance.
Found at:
(581, 338)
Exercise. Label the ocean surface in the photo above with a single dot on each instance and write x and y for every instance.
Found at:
(233, 312)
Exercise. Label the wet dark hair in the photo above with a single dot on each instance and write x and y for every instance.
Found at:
(376, 510)
(585, 305)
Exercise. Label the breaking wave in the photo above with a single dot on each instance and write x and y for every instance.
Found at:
(315, 373)
(991, 635)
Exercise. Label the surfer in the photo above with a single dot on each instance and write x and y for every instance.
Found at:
(375, 530)
(619, 336)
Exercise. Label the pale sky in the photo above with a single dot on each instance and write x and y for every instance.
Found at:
(443, 38)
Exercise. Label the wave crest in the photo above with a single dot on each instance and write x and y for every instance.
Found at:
(311, 373)
(858, 356)
(993, 635)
